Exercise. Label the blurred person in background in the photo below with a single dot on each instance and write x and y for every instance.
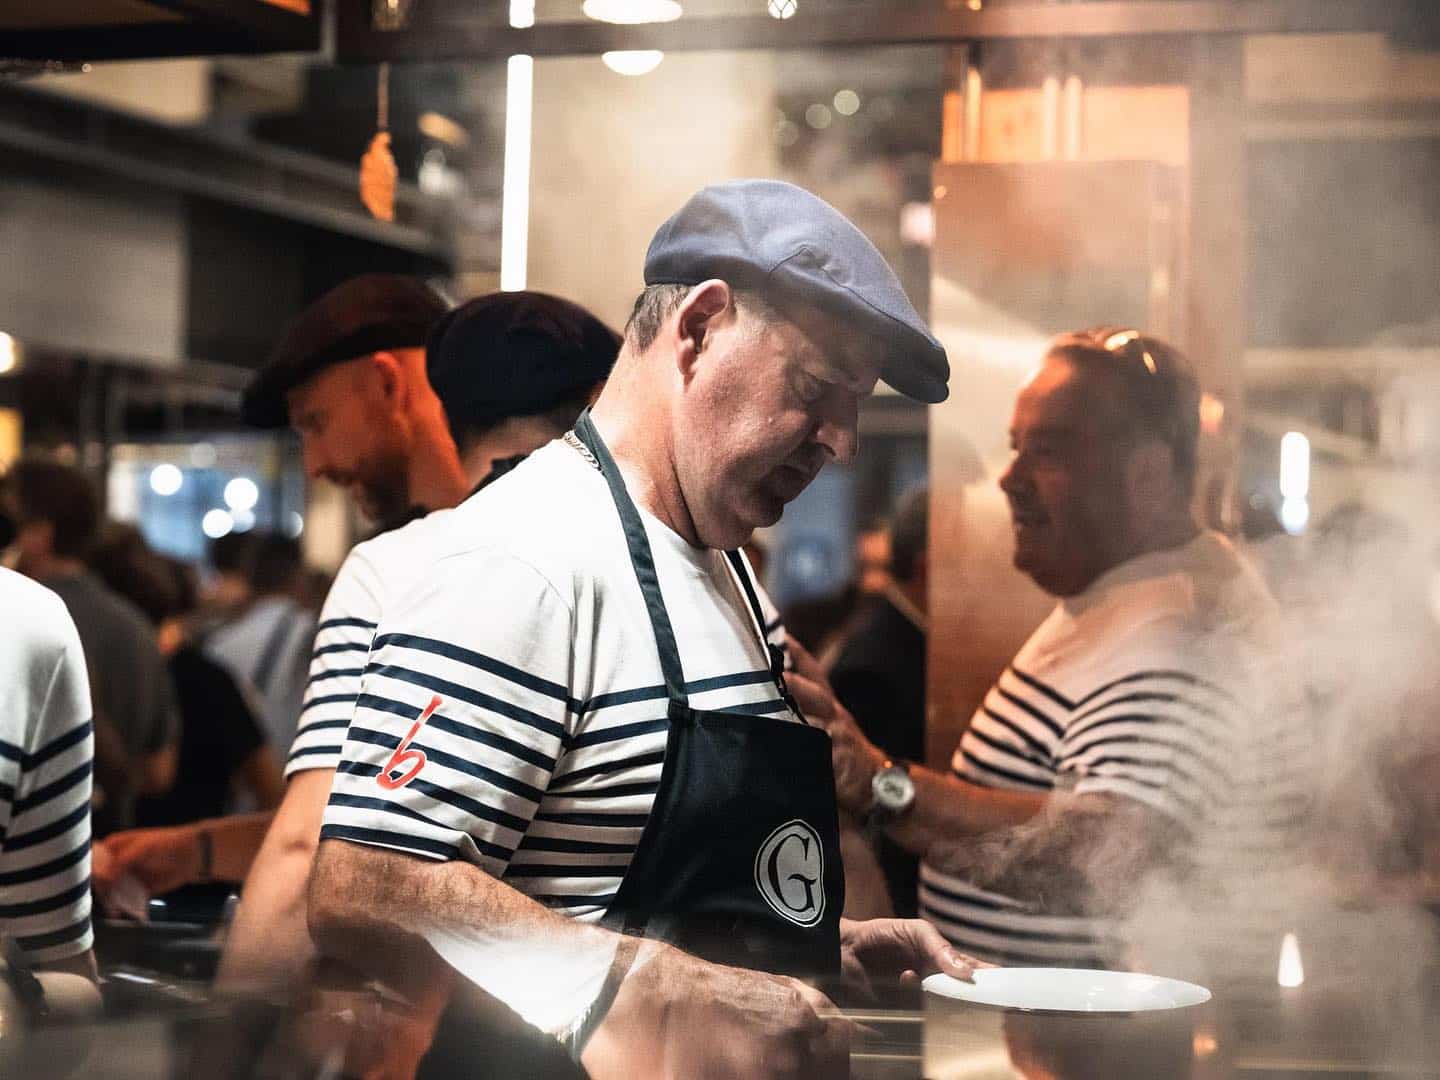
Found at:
(1144, 735)
(223, 753)
(879, 674)
(46, 755)
(267, 645)
(227, 590)
(222, 747)
(57, 518)
(873, 559)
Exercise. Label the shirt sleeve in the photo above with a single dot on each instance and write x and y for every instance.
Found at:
(337, 662)
(463, 712)
(1160, 735)
(45, 856)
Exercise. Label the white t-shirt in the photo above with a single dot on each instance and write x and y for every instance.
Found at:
(372, 575)
(1159, 683)
(528, 632)
(46, 755)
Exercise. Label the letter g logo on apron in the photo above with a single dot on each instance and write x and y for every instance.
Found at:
(790, 873)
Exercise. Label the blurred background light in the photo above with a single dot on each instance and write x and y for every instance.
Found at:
(166, 479)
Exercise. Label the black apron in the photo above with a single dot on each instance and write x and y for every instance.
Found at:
(739, 862)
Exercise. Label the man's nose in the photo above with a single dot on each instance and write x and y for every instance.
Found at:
(839, 432)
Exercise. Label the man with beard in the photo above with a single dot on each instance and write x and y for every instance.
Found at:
(349, 376)
(575, 772)
(1145, 725)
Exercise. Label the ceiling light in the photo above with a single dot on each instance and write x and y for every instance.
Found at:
(633, 61)
(166, 479)
(847, 102)
(9, 354)
(782, 9)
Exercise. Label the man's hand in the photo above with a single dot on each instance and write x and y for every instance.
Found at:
(676, 1016)
(159, 859)
(855, 758)
(903, 949)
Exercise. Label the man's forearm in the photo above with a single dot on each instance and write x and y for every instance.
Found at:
(391, 915)
(947, 807)
(269, 944)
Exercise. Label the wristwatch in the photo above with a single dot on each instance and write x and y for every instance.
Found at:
(892, 791)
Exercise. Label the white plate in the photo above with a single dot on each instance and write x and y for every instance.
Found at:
(1069, 990)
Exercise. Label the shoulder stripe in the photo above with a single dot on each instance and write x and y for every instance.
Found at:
(330, 624)
(322, 725)
(619, 732)
(654, 693)
(335, 673)
(1014, 727)
(40, 796)
(1021, 703)
(55, 747)
(439, 794)
(615, 791)
(310, 751)
(1010, 749)
(612, 821)
(1126, 699)
(450, 761)
(451, 726)
(606, 767)
(1014, 777)
(471, 697)
(57, 937)
(11, 751)
(1043, 688)
(476, 660)
(48, 903)
(326, 650)
(564, 844)
(362, 802)
(1160, 673)
(44, 870)
(386, 838)
(48, 832)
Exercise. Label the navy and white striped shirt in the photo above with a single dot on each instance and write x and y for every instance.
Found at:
(46, 756)
(512, 712)
(1153, 685)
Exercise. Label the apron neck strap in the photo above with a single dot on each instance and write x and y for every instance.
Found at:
(641, 559)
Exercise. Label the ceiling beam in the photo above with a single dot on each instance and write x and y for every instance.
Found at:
(450, 31)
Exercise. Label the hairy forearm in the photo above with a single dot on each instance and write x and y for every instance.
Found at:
(392, 915)
(947, 808)
(269, 943)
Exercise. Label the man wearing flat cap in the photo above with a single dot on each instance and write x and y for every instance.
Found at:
(349, 376)
(574, 771)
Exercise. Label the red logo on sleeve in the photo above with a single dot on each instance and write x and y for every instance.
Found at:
(410, 761)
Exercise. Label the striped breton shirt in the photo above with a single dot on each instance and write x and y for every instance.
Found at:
(1155, 684)
(514, 698)
(46, 752)
(372, 575)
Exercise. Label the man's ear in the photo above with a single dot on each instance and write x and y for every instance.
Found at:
(389, 377)
(699, 314)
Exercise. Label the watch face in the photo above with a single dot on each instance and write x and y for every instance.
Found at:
(893, 789)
